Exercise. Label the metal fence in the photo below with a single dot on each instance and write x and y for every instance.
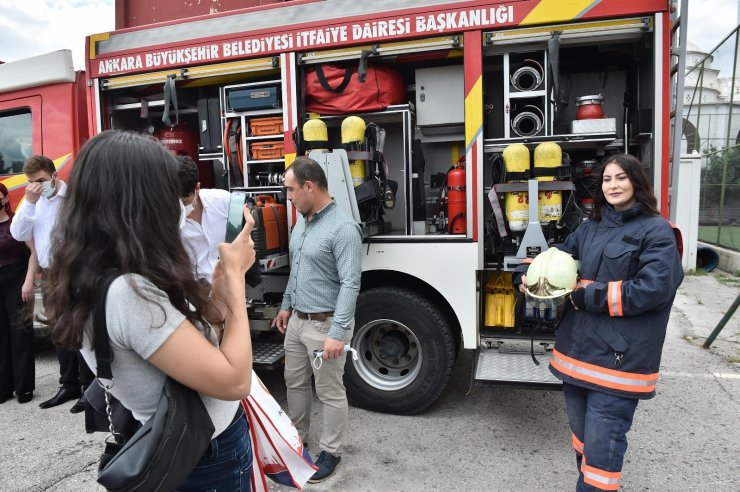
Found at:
(711, 127)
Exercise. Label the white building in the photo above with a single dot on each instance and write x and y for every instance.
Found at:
(707, 96)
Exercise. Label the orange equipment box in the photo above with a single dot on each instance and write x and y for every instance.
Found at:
(270, 234)
(267, 150)
(266, 126)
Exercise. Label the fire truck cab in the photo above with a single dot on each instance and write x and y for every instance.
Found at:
(485, 159)
(42, 111)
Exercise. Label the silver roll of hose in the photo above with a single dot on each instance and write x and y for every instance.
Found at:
(528, 122)
(528, 77)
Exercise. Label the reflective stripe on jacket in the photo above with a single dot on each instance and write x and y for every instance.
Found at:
(631, 269)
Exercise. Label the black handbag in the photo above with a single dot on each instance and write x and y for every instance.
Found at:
(160, 455)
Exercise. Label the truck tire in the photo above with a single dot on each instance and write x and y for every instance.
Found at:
(405, 348)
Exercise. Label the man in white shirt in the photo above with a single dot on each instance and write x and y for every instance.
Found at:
(35, 220)
(207, 212)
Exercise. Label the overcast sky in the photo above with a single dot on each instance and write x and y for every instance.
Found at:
(34, 27)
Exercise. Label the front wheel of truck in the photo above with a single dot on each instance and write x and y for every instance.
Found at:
(406, 351)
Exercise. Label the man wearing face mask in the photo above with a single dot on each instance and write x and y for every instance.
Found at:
(206, 215)
(35, 220)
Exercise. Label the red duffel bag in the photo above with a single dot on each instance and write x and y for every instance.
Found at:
(337, 90)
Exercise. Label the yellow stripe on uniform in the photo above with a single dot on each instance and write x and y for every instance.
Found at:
(557, 11)
(473, 112)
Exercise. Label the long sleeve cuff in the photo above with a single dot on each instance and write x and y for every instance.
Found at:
(336, 332)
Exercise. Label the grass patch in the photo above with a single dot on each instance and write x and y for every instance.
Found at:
(729, 236)
(727, 279)
(697, 273)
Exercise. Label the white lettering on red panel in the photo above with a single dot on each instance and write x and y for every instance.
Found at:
(311, 38)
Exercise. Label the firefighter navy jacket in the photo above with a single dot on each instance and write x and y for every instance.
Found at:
(630, 269)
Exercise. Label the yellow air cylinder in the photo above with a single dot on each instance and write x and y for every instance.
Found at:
(516, 160)
(314, 130)
(500, 300)
(353, 136)
(549, 154)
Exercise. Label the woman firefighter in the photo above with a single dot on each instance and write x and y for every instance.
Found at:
(609, 343)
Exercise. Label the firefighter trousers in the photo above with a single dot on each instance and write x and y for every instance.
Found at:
(599, 423)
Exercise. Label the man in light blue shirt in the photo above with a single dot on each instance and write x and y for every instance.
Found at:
(318, 306)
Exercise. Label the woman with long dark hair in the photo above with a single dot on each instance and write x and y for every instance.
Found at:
(609, 343)
(121, 218)
(17, 267)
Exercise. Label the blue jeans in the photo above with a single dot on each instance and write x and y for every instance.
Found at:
(226, 466)
(599, 423)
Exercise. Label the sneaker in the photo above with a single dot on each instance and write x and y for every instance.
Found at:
(327, 463)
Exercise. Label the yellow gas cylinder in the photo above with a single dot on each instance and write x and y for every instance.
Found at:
(516, 160)
(353, 136)
(500, 300)
(549, 154)
(314, 132)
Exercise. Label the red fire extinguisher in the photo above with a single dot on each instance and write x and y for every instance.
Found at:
(456, 199)
(180, 139)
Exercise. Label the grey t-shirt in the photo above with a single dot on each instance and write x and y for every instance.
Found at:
(137, 328)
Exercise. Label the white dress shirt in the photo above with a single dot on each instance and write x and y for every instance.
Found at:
(36, 221)
(202, 239)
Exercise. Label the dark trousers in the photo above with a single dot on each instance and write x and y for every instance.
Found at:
(17, 369)
(599, 423)
(73, 370)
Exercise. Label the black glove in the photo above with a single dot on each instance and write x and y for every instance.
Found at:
(578, 298)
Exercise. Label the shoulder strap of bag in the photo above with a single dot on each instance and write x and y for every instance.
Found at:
(325, 84)
(101, 342)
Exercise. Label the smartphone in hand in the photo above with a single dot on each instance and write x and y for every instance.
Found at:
(234, 225)
(235, 220)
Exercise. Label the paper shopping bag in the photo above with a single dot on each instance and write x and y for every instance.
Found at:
(277, 450)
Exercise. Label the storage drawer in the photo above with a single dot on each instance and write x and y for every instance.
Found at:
(266, 126)
(254, 98)
(266, 150)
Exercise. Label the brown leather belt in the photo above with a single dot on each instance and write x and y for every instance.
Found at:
(314, 316)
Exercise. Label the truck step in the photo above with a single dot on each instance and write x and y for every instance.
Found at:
(514, 367)
(267, 354)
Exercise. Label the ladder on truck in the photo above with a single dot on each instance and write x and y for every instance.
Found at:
(679, 18)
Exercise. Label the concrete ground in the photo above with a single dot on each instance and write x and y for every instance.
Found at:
(496, 438)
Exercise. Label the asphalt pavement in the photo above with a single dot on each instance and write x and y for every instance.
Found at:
(494, 438)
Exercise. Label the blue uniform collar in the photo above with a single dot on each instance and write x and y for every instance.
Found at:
(612, 218)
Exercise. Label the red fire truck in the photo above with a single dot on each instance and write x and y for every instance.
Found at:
(42, 111)
(473, 151)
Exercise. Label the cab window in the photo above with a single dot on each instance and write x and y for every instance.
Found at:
(15, 140)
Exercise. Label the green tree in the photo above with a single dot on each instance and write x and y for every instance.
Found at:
(711, 174)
